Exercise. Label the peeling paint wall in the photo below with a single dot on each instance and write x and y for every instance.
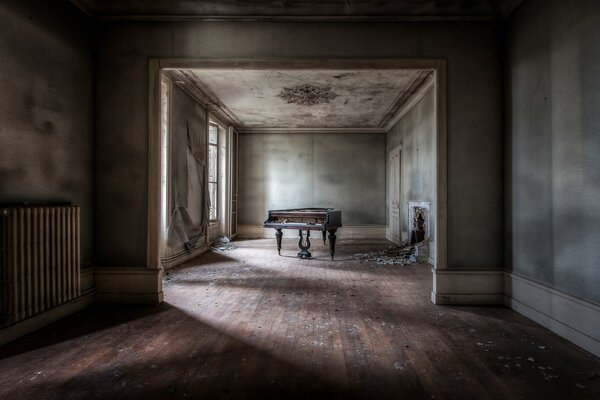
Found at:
(416, 133)
(475, 151)
(553, 133)
(46, 122)
(343, 171)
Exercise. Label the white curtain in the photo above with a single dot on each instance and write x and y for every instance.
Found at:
(189, 186)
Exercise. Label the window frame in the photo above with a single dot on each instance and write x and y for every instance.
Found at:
(214, 206)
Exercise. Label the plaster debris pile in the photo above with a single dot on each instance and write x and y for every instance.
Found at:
(222, 244)
(403, 254)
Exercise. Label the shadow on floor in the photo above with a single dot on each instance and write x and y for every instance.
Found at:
(118, 352)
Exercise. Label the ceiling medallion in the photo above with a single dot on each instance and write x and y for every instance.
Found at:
(307, 94)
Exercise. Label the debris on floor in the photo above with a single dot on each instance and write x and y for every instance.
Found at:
(402, 254)
(222, 247)
(222, 244)
(422, 251)
(382, 258)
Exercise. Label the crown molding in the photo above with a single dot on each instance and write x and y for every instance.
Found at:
(187, 81)
(403, 97)
(410, 101)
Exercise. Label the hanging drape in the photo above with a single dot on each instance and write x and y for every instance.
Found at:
(189, 187)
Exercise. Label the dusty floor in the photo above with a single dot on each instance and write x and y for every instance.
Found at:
(245, 323)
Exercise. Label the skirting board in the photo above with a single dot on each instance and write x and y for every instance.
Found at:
(86, 279)
(468, 286)
(344, 233)
(128, 285)
(36, 322)
(574, 319)
(184, 255)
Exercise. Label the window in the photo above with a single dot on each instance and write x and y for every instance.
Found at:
(213, 170)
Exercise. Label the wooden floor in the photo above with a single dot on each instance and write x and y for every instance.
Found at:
(246, 323)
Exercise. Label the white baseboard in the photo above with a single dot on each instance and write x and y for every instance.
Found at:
(344, 233)
(36, 322)
(128, 285)
(182, 255)
(574, 319)
(468, 286)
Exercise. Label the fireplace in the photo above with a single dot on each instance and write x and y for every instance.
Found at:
(419, 221)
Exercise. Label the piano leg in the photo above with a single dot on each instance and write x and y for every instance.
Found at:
(278, 236)
(332, 238)
(304, 253)
(324, 237)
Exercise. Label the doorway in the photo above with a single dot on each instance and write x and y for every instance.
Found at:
(394, 195)
(436, 67)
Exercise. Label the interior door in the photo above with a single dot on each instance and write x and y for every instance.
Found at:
(394, 202)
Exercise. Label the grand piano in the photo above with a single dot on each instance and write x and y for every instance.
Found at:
(305, 219)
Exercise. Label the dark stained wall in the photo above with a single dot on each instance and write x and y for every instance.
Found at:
(46, 122)
(475, 113)
(553, 138)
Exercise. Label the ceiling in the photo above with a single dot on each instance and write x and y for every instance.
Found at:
(306, 9)
(362, 99)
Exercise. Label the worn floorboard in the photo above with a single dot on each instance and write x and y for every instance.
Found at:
(248, 324)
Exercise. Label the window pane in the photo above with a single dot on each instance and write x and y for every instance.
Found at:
(212, 190)
(212, 163)
(212, 134)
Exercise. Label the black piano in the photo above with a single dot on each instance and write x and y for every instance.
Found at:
(305, 219)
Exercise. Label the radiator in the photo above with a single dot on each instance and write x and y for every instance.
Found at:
(39, 259)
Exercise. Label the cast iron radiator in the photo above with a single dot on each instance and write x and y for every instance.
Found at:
(39, 259)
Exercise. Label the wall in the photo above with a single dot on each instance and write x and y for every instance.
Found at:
(472, 50)
(343, 171)
(46, 121)
(416, 133)
(553, 125)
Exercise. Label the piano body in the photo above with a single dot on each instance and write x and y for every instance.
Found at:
(305, 219)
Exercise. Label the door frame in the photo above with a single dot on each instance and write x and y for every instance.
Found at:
(389, 192)
(156, 65)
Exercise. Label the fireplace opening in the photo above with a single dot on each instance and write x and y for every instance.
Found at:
(418, 231)
(418, 221)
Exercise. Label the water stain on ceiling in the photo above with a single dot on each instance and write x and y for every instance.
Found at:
(349, 98)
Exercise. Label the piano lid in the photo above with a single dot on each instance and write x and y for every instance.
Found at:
(314, 209)
(311, 211)
(304, 218)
